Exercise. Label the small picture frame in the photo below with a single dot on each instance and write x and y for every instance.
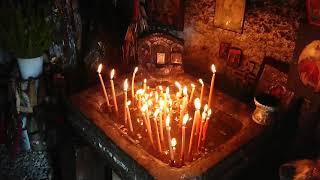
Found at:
(234, 57)
(176, 58)
(224, 50)
(313, 12)
(161, 58)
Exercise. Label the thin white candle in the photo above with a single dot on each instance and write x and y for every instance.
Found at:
(205, 128)
(202, 89)
(161, 118)
(168, 128)
(145, 85)
(145, 118)
(195, 119)
(183, 137)
(129, 116)
(203, 118)
(103, 86)
(113, 91)
(155, 115)
(125, 89)
(178, 85)
(193, 87)
(132, 82)
(213, 69)
(173, 145)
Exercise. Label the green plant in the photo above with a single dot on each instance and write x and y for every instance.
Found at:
(25, 27)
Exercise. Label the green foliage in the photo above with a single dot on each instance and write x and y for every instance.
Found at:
(25, 27)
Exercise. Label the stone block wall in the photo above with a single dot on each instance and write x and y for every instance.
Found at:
(269, 29)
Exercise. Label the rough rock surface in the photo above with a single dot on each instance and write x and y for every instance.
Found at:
(269, 29)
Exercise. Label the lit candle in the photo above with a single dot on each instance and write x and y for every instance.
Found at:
(183, 137)
(213, 69)
(193, 87)
(173, 145)
(205, 108)
(145, 118)
(178, 85)
(129, 116)
(145, 85)
(132, 82)
(202, 89)
(205, 128)
(125, 89)
(195, 119)
(157, 129)
(203, 118)
(160, 122)
(113, 91)
(168, 128)
(103, 86)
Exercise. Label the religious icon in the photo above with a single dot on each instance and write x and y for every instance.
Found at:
(234, 57)
(313, 9)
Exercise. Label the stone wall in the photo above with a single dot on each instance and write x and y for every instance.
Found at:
(269, 30)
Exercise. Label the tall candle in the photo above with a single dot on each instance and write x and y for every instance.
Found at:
(161, 118)
(113, 91)
(144, 113)
(145, 85)
(183, 137)
(213, 69)
(157, 129)
(202, 89)
(193, 87)
(195, 119)
(178, 85)
(129, 116)
(168, 128)
(173, 145)
(203, 117)
(132, 82)
(125, 89)
(205, 128)
(103, 86)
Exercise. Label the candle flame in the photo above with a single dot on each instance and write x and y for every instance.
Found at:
(185, 119)
(193, 86)
(178, 85)
(135, 70)
(213, 68)
(168, 91)
(161, 104)
(197, 103)
(168, 121)
(173, 142)
(144, 108)
(112, 73)
(209, 113)
(204, 115)
(128, 103)
(201, 82)
(155, 114)
(149, 102)
(125, 85)
(185, 91)
(145, 81)
(99, 68)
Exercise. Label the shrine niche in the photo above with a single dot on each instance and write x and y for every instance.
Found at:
(160, 53)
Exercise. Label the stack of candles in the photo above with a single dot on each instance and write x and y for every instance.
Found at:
(160, 108)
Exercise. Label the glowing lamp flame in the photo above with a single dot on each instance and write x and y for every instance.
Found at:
(128, 103)
(168, 121)
(125, 85)
(185, 90)
(173, 142)
(135, 70)
(213, 68)
(185, 119)
(99, 68)
(112, 73)
(197, 103)
(201, 82)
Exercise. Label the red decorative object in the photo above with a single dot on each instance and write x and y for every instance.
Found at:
(313, 12)
(234, 57)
